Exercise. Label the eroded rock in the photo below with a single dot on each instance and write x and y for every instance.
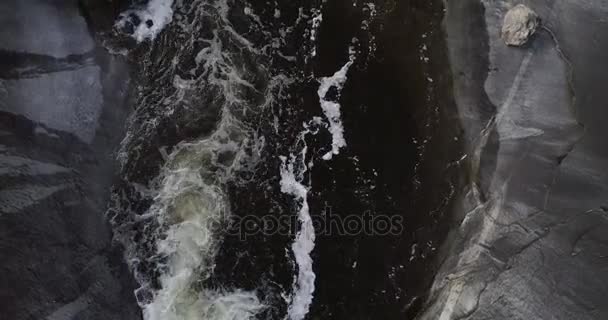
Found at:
(519, 25)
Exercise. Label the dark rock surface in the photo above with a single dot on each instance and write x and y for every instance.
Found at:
(531, 242)
(63, 104)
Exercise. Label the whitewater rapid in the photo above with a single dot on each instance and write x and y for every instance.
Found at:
(211, 64)
(190, 205)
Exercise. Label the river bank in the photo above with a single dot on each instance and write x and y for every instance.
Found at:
(64, 103)
(531, 241)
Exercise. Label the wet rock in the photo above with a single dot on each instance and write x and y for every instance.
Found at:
(134, 19)
(519, 25)
(128, 28)
(63, 107)
(540, 209)
(75, 96)
(42, 27)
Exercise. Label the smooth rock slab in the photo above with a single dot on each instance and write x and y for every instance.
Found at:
(50, 27)
(519, 25)
(69, 101)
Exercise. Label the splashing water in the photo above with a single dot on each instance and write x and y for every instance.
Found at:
(190, 207)
(151, 19)
(203, 59)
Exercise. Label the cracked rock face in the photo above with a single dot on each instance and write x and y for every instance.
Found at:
(519, 25)
(531, 243)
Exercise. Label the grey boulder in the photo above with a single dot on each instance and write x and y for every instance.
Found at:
(519, 25)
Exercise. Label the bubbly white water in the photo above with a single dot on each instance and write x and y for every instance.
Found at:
(189, 195)
(190, 205)
(292, 174)
(317, 19)
(157, 11)
(331, 109)
(293, 170)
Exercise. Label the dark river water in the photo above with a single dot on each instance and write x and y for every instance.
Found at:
(294, 118)
(283, 160)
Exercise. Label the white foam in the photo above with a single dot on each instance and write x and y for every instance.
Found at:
(190, 197)
(317, 19)
(158, 11)
(292, 174)
(304, 243)
(188, 204)
(332, 109)
(235, 305)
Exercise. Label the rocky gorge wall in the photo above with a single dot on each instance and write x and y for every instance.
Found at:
(530, 241)
(63, 106)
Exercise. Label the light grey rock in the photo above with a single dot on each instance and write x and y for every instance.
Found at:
(15, 200)
(69, 101)
(519, 25)
(44, 27)
(15, 166)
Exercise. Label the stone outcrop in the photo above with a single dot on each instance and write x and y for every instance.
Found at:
(531, 240)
